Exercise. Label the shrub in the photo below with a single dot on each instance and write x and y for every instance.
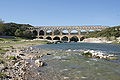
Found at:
(2, 75)
(88, 54)
(12, 57)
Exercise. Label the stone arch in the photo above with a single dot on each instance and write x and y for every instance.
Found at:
(41, 37)
(74, 32)
(41, 32)
(49, 32)
(34, 33)
(82, 38)
(48, 38)
(65, 38)
(56, 38)
(56, 32)
(74, 38)
(65, 32)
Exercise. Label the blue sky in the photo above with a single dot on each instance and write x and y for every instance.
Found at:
(61, 12)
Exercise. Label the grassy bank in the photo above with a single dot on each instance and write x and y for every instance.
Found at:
(13, 42)
(9, 44)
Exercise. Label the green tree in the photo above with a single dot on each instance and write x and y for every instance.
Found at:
(18, 33)
(27, 34)
(2, 28)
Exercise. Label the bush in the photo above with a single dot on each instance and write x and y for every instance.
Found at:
(2, 75)
(88, 54)
(12, 57)
(2, 51)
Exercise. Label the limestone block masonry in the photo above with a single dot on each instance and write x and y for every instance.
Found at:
(57, 32)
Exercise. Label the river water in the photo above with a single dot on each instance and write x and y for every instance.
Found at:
(65, 62)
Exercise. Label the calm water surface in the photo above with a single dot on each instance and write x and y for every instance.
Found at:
(111, 48)
(66, 62)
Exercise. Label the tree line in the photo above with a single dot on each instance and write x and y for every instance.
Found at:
(109, 32)
(14, 29)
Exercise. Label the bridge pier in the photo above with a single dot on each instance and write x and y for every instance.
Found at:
(38, 34)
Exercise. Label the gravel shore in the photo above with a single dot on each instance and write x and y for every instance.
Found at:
(19, 62)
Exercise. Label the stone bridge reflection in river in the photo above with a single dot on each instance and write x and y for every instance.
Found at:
(64, 33)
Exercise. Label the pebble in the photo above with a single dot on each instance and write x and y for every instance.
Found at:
(66, 77)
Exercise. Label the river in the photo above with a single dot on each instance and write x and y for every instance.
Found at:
(66, 63)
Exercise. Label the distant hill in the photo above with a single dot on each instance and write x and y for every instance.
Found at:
(109, 32)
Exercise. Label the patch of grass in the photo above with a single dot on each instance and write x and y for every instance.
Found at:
(17, 39)
(1, 61)
(116, 42)
(1, 39)
(2, 51)
(11, 57)
(88, 54)
(2, 75)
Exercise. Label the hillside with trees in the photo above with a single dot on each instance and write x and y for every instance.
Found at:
(14, 29)
(109, 32)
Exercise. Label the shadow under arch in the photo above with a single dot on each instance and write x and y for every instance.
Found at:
(65, 38)
(41, 37)
(41, 32)
(56, 38)
(82, 38)
(74, 39)
(34, 32)
(48, 38)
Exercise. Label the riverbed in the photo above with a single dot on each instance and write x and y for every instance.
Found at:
(65, 62)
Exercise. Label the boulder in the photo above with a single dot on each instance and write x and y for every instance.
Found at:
(112, 58)
(39, 63)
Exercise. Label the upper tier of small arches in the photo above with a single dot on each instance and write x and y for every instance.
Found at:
(68, 27)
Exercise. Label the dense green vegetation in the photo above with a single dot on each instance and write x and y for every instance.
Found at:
(109, 32)
(14, 29)
(2, 75)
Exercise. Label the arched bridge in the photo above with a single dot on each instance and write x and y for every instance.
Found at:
(64, 33)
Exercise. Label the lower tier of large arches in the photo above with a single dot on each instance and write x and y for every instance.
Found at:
(63, 38)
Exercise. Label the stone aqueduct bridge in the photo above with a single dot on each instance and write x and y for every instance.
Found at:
(67, 33)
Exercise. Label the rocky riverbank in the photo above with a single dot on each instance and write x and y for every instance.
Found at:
(102, 40)
(23, 62)
(18, 63)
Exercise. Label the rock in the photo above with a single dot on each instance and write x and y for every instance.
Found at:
(99, 54)
(31, 48)
(38, 56)
(66, 78)
(22, 54)
(48, 54)
(17, 64)
(39, 63)
(18, 57)
(69, 50)
(12, 62)
(1, 67)
(27, 63)
(88, 54)
(112, 58)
